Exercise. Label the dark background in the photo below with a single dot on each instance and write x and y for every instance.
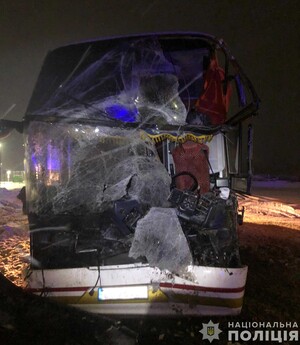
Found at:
(262, 34)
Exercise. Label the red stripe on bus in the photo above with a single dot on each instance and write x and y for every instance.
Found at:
(163, 285)
(201, 288)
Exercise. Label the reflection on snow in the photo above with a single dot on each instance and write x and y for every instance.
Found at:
(12, 254)
(14, 237)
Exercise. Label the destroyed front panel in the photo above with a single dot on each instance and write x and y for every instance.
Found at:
(126, 158)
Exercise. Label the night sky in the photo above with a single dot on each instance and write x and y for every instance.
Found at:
(263, 35)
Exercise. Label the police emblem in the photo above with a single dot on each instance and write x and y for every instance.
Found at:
(210, 331)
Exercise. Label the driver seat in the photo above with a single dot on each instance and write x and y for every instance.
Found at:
(193, 158)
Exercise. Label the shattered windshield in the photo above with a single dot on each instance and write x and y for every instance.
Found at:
(134, 80)
(102, 193)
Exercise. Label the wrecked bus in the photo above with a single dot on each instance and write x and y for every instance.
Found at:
(135, 147)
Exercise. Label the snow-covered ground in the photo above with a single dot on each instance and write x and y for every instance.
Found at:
(287, 192)
(11, 185)
(14, 236)
(274, 202)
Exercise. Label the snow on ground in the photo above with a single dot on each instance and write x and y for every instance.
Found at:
(284, 191)
(10, 185)
(272, 202)
(14, 236)
(275, 202)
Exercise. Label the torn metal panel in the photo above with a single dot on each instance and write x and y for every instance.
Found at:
(209, 223)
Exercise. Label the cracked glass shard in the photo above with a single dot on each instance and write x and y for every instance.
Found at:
(159, 238)
(116, 191)
(79, 170)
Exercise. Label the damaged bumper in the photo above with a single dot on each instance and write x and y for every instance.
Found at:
(139, 289)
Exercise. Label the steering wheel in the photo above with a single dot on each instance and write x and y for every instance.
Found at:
(183, 173)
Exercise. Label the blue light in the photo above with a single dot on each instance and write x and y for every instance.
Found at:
(121, 112)
(53, 161)
(34, 160)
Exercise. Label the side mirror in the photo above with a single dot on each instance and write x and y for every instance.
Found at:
(7, 126)
(241, 184)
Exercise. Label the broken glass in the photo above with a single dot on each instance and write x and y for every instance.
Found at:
(82, 169)
(131, 82)
(97, 185)
(159, 237)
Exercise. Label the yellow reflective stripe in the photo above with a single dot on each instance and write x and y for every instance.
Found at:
(65, 299)
(213, 301)
(155, 297)
(200, 139)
